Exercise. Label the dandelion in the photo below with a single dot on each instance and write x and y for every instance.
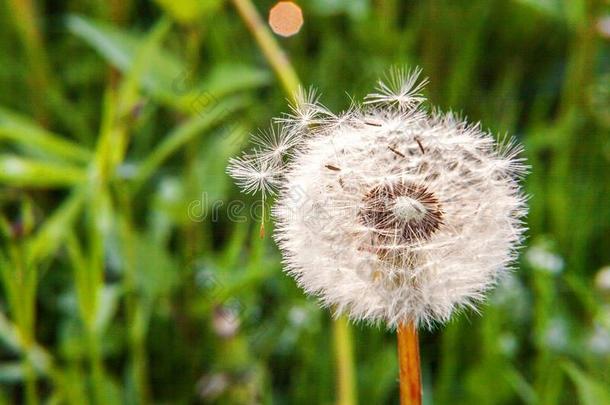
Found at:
(394, 215)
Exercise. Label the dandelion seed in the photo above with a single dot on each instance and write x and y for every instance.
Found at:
(306, 112)
(401, 88)
(396, 152)
(276, 143)
(255, 173)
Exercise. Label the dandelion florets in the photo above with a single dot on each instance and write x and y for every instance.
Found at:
(389, 213)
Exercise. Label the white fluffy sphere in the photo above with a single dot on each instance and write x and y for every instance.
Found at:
(391, 214)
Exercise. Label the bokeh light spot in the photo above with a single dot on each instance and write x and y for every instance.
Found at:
(285, 18)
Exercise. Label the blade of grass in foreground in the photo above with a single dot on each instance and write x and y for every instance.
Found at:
(20, 172)
(29, 136)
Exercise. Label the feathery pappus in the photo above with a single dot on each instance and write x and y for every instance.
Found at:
(388, 212)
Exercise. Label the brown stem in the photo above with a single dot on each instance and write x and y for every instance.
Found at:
(408, 360)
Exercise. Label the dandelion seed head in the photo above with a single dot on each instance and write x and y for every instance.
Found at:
(388, 213)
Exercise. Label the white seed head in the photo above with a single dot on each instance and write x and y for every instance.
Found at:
(388, 213)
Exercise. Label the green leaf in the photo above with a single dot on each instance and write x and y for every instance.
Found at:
(353, 8)
(223, 79)
(212, 163)
(107, 307)
(526, 392)
(590, 391)
(184, 133)
(166, 77)
(38, 356)
(54, 229)
(120, 47)
(20, 172)
(156, 269)
(32, 138)
(11, 372)
(188, 11)
(8, 332)
(128, 95)
(548, 8)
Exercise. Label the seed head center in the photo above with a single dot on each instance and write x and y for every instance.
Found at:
(408, 209)
(401, 211)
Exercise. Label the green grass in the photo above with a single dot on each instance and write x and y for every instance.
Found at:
(119, 260)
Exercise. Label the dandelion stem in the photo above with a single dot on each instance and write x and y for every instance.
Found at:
(408, 360)
(261, 231)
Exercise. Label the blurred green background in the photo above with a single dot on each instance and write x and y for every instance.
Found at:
(125, 277)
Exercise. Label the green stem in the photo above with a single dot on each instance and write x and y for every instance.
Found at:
(25, 15)
(30, 383)
(97, 368)
(45, 92)
(449, 365)
(136, 307)
(40, 360)
(193, 232)
(269, 46)
(346, 389)
(21, 292)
